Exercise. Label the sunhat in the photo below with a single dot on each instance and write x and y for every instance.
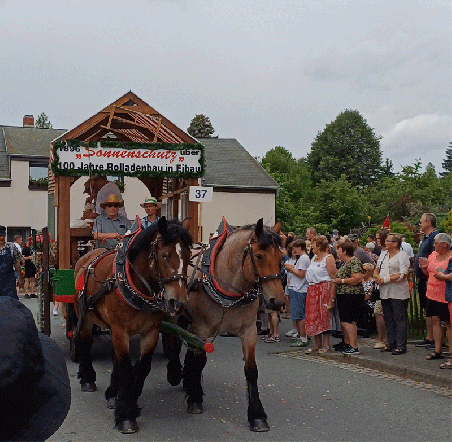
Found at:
(150, 200)
(112, 199)
(35, 392)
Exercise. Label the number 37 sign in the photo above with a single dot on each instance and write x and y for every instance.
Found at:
(200, 194)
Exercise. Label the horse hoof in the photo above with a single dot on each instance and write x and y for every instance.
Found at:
(111, 403)
(88, 386)
(259, 425)
(194, 408)
(127, 426)
(174, 378)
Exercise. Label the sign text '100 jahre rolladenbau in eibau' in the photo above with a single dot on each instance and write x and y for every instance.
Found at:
(76, 158)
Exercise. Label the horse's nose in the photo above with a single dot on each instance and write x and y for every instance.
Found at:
(172, 306)
(273, 304)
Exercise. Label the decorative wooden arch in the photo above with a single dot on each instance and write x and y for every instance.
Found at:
(128, 119)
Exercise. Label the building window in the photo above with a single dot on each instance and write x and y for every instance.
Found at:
(38, 176)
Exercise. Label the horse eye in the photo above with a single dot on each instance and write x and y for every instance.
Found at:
(259, 257)
(164, 256)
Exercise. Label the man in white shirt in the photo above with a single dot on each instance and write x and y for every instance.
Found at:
(406, 247)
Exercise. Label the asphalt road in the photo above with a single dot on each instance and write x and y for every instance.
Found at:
(305, 399)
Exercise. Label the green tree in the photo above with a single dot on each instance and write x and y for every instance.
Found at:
(446, 224)
(201, 127)
(293, 205)
(43, 122)
(447, 162)
(341, 205)
(347, 146)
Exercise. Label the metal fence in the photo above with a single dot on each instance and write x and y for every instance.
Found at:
(416, 315)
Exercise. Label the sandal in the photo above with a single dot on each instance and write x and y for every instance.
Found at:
(324, 350)
(286, 317)
(264, 338)
(273, 339)
(311, 350)
(435, 355)
(447, 364)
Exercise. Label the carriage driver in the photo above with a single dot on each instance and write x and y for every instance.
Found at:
(110, 226)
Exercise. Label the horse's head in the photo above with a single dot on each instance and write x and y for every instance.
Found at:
(167, 246)
(262, 263)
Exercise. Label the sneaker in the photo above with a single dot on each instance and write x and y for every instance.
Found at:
(299, 343)
(292, 332)
(350, 351)
(33, 295)
(55, 313)
(295, 336)
(425, 343)
(379, 345)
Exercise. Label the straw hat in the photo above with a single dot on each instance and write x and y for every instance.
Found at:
(112, 199)
(150, 200)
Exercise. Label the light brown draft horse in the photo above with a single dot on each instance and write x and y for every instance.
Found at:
(247, 264)
(158, 256)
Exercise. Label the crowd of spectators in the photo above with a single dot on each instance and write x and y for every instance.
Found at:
(334, 277)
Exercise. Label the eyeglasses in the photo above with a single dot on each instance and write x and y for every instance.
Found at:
(111, 205)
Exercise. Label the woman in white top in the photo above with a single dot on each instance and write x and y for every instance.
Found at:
(394, 292)
(320, 295)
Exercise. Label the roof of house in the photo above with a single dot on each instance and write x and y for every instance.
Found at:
(29, 141)
(228, 164)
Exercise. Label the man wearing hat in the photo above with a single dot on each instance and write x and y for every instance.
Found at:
(35, 392)
(111, 226)
(10, 259)
(359, 252)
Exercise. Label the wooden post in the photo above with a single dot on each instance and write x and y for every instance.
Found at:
(63, 222)
(45, 279)
(193, 213)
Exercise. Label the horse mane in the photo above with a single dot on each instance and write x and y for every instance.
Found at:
(267, 239)
(143, 240)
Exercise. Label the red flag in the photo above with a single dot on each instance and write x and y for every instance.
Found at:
(386, 223)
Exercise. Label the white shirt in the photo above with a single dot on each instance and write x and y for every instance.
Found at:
(294, 282)
(399, 263)
(406, 247)
(317, 271)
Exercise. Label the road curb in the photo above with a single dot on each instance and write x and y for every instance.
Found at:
(402, 371)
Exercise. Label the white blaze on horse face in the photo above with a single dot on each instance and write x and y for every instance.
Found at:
(181, 261)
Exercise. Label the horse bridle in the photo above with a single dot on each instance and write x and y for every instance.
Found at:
(258, 279)
(153, 257)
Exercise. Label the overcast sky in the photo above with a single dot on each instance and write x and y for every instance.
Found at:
(267, 72)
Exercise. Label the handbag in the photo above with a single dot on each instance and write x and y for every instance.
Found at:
(375, 294)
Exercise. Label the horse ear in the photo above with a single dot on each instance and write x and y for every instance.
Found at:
(259, 228)
(162, 225)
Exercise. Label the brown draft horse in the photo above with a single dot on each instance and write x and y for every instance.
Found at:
(158, 256)
(250, 257)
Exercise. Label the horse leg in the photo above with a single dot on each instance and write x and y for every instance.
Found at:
(195, 361)
(172, 347)
(143, 365)
(257, 417)
(126, 410)
(112, 391)
(83, 342)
